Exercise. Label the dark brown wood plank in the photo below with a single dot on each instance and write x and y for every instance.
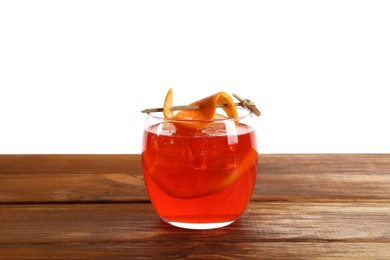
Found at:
(71, 178)
(262, 222)
(330, 175)
(105, 178)
(67, 188)
(198, 250)
(69, 163)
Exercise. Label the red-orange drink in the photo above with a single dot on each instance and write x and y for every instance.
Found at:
(199, 177)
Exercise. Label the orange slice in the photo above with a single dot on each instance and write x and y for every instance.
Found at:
(208, 106)
(183, 184)
(168, 104)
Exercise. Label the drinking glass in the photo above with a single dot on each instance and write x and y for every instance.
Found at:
(200, 174)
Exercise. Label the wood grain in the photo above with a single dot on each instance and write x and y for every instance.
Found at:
(267, 230)
(197, 250)
(69, 163)
(305, 206)
(267, 222)
(331, 175)
(118, 178)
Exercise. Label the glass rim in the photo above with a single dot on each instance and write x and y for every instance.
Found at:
(239, 109)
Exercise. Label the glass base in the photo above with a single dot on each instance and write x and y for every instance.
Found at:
(199, 226)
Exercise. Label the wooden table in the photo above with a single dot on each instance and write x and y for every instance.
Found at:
(95, 206)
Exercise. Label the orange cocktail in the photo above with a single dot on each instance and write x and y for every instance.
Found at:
(200, 173)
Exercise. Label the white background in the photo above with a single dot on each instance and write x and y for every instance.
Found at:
(74, 75)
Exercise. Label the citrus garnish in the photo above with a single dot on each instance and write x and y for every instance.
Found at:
(177, 183)
(168, 104)
(207, 107)
(206, 111)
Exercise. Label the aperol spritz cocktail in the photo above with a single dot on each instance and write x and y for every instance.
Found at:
(200, 174)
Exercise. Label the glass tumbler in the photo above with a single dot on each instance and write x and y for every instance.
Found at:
(200, 174)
